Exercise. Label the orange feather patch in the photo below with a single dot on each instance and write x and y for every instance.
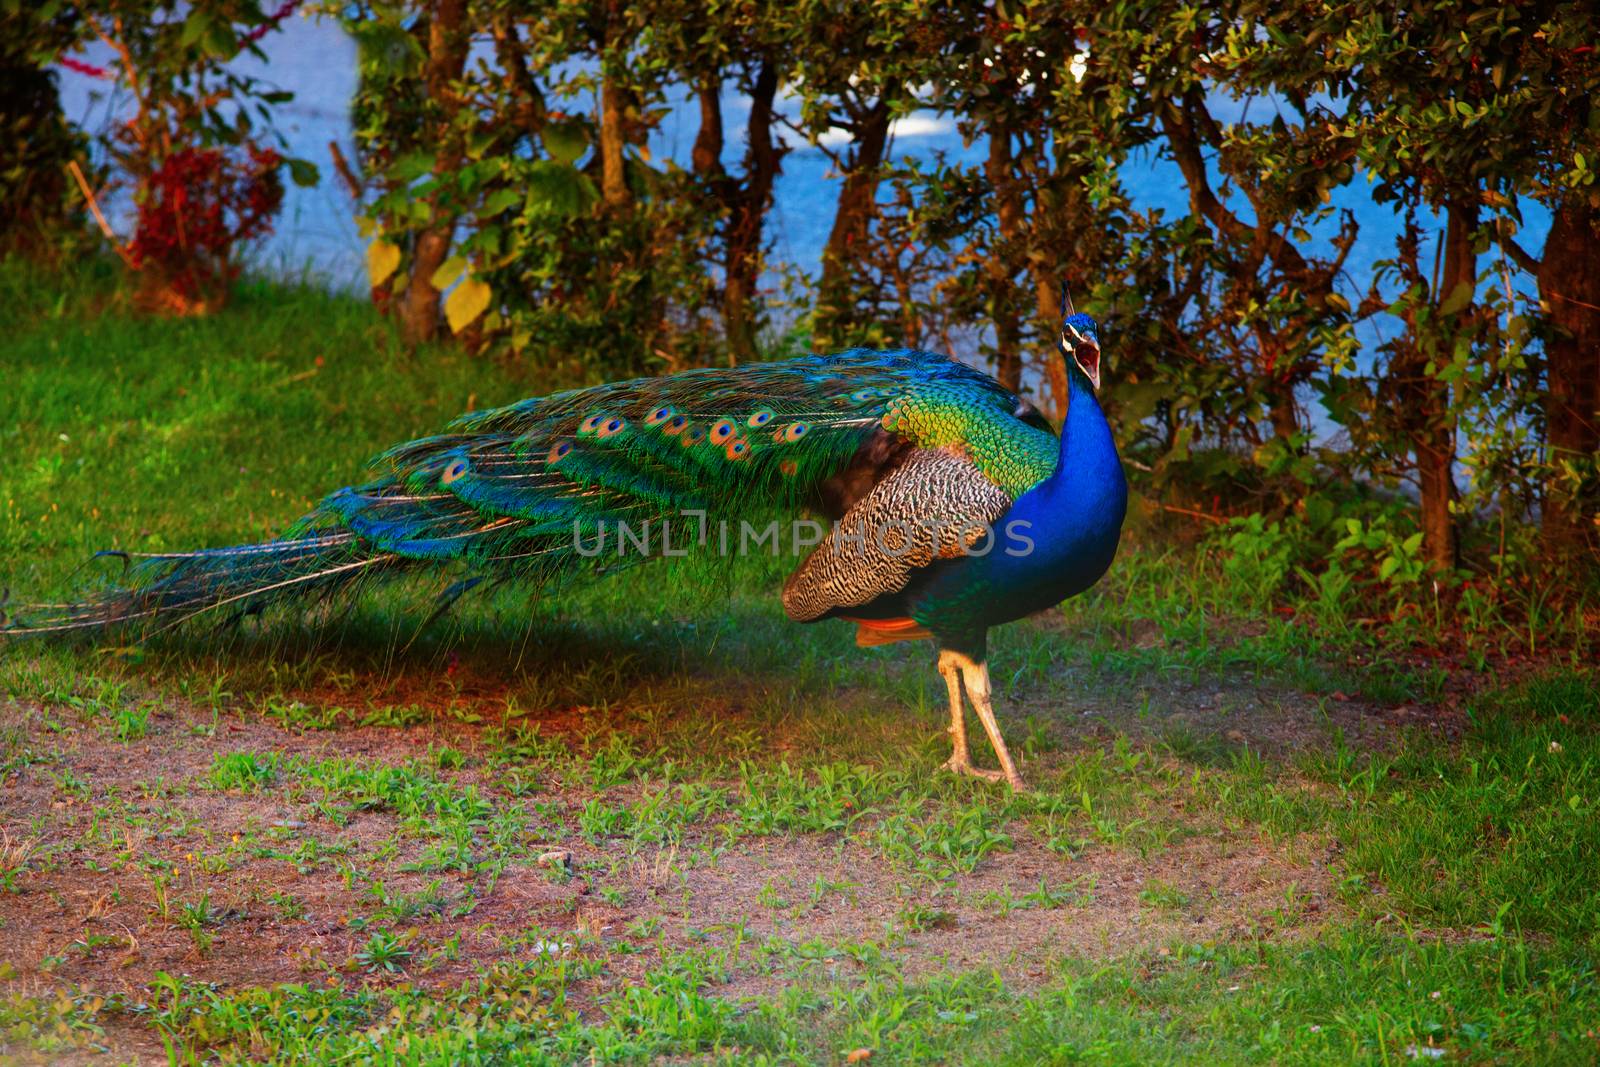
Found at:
(873, 632)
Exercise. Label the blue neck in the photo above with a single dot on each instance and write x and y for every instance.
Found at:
(1077, 511)
(1088, 453)
(1073, 519)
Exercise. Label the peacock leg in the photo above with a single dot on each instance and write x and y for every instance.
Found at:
(960, 761)
(977, 679)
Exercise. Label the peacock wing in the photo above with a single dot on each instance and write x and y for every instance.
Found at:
(934, 505)
(516, 487)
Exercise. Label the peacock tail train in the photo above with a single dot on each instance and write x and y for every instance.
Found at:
(518, 491)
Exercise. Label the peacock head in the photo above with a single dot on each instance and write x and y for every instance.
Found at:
(1080, 340)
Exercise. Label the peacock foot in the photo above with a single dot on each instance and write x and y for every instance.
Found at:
(961, 766)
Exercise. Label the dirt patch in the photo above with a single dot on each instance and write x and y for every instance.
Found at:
(145, 803)
(139, 865)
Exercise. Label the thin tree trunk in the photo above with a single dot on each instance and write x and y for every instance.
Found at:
(1002, 306)
(613, 174)
(763, 160)
(1282, 408)
(448, 41)
(706, 157)
(856, 202)
(614, 100)
(1436, 442)
(1048, 294)
(1569, 289)
(1436, 482)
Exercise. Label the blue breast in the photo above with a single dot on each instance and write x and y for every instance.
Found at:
(1056, 540)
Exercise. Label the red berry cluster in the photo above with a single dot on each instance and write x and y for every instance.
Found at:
(198, 206)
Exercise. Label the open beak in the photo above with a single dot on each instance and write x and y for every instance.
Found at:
(1085, 352)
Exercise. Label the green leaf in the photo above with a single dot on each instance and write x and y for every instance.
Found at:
(565, 141)
(1388, 567)
(195, 26)
(1459, 298)
(383, 259)
(450, 270)
(465, 303)
(498, 201)
(386, 50)
(1412, 543)
(219, 40)
(559, 189)
(409, 168)
(303, 172)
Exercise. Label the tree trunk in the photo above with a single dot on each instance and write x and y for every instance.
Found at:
(1435, 444)
(856, 203)
(613, 174)
(448, 41)
(1436, 482)
(706, 158)
(763, 160)
(1002, 306)
(1569, 289)
(1282, 409)
(1048, 293)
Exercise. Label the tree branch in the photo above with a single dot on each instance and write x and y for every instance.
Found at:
(1517, 253)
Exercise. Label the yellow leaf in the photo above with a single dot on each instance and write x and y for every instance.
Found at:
(383, 259)
(448, 272)
(465, 303)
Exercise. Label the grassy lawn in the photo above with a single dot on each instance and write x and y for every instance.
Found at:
(647, 818)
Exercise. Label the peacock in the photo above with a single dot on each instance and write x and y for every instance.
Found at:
(955, 506)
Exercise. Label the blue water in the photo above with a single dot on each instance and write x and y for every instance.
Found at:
(317, 234)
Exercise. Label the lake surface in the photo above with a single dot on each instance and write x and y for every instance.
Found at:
(316, 60)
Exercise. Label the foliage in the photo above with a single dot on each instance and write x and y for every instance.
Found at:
(197, 207)
(590, 260)
(202, 180)
(511, 200)
(36, 141)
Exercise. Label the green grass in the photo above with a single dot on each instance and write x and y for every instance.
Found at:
(649, 818)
